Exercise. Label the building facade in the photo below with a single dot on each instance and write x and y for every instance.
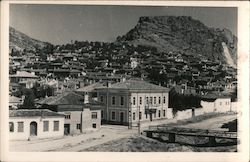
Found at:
(132, 101)
(25, 124)
(216, 103)
(24, 79)
(80, 112)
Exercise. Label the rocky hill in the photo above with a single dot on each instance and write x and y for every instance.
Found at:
(20, 41)
(186, 35)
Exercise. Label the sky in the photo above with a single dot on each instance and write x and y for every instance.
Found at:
(59, 24)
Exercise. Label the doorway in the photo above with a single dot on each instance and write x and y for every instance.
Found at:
(121, 117)
(66, 129)
(33, 129)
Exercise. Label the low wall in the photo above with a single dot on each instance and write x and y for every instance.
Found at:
(207, 107)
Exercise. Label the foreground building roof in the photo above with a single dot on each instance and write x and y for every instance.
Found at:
(33, 112)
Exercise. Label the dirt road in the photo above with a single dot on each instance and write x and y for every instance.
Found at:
(73, 143)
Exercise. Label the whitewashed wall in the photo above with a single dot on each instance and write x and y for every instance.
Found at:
(40, 133)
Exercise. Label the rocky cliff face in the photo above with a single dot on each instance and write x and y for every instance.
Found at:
(170, 33)
(19, 41)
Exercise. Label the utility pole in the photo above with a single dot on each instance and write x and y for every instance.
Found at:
(139, 124)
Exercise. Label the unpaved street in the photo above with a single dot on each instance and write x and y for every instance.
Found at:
(213, 123)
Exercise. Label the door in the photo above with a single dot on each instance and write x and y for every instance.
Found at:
(66, 129)
(122, 117)
(33, 129)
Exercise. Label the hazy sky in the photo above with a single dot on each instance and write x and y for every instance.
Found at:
(58, 24)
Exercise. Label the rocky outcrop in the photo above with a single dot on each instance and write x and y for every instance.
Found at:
(186, 35)
(20, 41)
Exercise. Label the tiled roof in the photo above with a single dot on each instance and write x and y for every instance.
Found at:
(67, 98)
(24, 74)
(32, 112)
(137, 85)
(90, 87)
(213, 96)
(14, 99)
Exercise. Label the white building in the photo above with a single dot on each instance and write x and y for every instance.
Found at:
(216, 103)
(26, 124)
(131, 101)
(24, 78)
(133, 63)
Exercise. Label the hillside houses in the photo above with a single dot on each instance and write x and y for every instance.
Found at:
(94, 84)
(73, 60)
(24, 79)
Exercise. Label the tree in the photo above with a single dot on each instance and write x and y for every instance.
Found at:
(183, 102)
(29, 99)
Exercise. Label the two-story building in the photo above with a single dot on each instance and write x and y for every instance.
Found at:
(131, 101)
(24, 78)
(80, 112)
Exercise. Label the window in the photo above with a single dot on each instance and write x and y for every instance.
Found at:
(67, 116)
(56, 125)
(140, 100)
(94, 115)
(113, 115)
(147, 100)
(133, 116)
(122, 100)
(101, 98)
(154, 100)
(11, 126)
(159, 100)
(133, 100)
(159, 113)
(94, 125)
(78, 126)
(19, 126)
(164, 99)
(113, 100)
(151, 100)
(146, 115)
(45, 126)
(164, 113)
(139, 115)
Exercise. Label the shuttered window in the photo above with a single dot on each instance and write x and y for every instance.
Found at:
(56, 125)
(45, 126)
(19, 126)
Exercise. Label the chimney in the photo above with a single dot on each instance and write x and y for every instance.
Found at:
(86, 98)
(108, 84)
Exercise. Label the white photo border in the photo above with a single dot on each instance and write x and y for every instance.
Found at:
(243, 93)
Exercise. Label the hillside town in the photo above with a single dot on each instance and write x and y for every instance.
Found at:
(99, 83)
(67, 90)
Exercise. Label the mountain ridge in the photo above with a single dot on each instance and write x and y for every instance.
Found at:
(185, 34)
(20, 41)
